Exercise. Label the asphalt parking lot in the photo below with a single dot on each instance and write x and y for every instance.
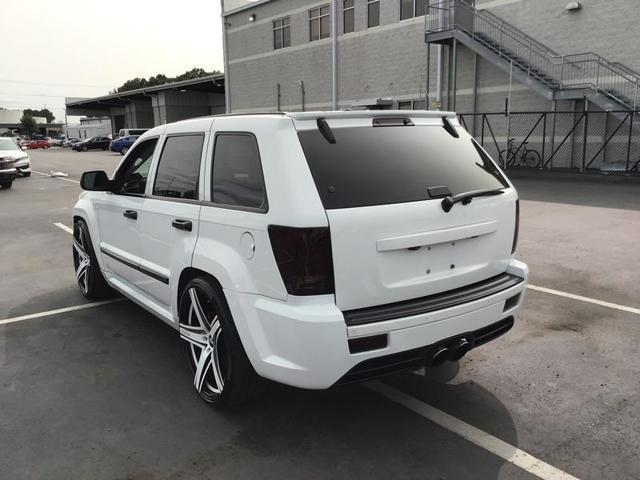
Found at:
(103, 392)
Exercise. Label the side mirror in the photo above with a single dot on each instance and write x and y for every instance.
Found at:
(96, 180)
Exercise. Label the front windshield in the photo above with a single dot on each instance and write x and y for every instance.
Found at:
(8, 144)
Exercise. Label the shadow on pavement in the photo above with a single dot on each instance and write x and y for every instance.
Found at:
(608, 191)
(104, 393)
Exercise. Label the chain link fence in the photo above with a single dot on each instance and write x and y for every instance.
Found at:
(582, 141)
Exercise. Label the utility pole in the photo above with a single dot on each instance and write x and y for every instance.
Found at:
(334, 53)
(225, 53)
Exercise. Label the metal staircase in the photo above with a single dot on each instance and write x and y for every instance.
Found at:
(609, 85)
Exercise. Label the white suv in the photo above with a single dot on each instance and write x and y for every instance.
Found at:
(307, 248)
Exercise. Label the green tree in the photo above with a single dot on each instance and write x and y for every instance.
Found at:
(194, 73)
(29, 124)
(45, 112)
(161, 79)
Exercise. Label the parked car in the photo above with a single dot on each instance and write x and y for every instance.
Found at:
(93, 143)
(125, 132)
(57, 142)
(8, 172)
(123, 144)
(9, 148)
(307, 248)
(35, 144)
(70, 142)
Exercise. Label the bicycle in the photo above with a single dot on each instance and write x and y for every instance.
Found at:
(526, 157)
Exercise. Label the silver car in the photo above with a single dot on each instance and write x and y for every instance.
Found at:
(10, 148)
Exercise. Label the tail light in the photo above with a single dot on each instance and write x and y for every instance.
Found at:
(516, 230)
(304, 259)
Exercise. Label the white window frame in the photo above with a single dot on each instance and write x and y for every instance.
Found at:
(316, 15)
(279, 30)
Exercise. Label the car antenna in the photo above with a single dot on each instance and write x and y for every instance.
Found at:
(325, 130)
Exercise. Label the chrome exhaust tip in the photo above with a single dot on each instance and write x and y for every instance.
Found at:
(440, 356)
(459, 350)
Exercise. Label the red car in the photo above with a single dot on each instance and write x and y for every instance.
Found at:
(38, 144)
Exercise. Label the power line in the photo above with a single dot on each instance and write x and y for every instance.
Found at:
(26, 82)
(26, 102)
(12, 94)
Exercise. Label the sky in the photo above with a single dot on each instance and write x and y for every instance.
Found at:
(84, 48)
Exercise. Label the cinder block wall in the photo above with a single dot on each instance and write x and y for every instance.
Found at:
(389, 61)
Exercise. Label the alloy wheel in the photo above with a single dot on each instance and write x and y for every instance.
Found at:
(81, 260)
(201, 331)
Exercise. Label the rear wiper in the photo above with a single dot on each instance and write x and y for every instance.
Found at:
(326, 131)
(465, 198)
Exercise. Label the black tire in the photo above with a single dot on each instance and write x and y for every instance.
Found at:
(124, 150)
(217, 346)
(532, 159)
(6, 184)
(91, 283)
(26, 174)
(84, 148)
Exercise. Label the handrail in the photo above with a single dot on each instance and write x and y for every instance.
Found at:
(579, 70)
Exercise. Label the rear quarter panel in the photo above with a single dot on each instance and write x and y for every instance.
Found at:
(225, 234)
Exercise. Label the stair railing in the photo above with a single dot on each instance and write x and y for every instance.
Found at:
(582, 70)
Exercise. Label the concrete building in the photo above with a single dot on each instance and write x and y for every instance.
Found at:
(382, 59)
(471, 57)
(152, 106)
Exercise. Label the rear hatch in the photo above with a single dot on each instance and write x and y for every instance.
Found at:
(391, 238)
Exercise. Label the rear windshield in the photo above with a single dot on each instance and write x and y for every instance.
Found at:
(381, 165)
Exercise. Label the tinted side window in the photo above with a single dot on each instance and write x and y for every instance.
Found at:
(179, 167)
(132, 177)
(237, 172)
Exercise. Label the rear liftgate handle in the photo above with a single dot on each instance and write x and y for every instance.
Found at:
(182, 224)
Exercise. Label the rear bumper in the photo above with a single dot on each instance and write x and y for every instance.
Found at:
(304, 342)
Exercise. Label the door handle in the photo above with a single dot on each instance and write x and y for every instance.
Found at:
(132, 214)
(182, 224)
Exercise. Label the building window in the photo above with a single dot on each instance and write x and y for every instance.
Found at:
(319, 23)
(348, 16)
(413, 8)
(282, 33)
(373, 13)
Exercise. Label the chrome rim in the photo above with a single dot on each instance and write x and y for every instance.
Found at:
(82, 260)
(202, 332)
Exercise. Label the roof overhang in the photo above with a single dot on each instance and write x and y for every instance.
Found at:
(241, 5)
(208, 84)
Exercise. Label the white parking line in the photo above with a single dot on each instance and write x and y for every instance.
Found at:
(64, 227)
(61, 178)
(58, 311)
(483, 439)
(585, 299)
